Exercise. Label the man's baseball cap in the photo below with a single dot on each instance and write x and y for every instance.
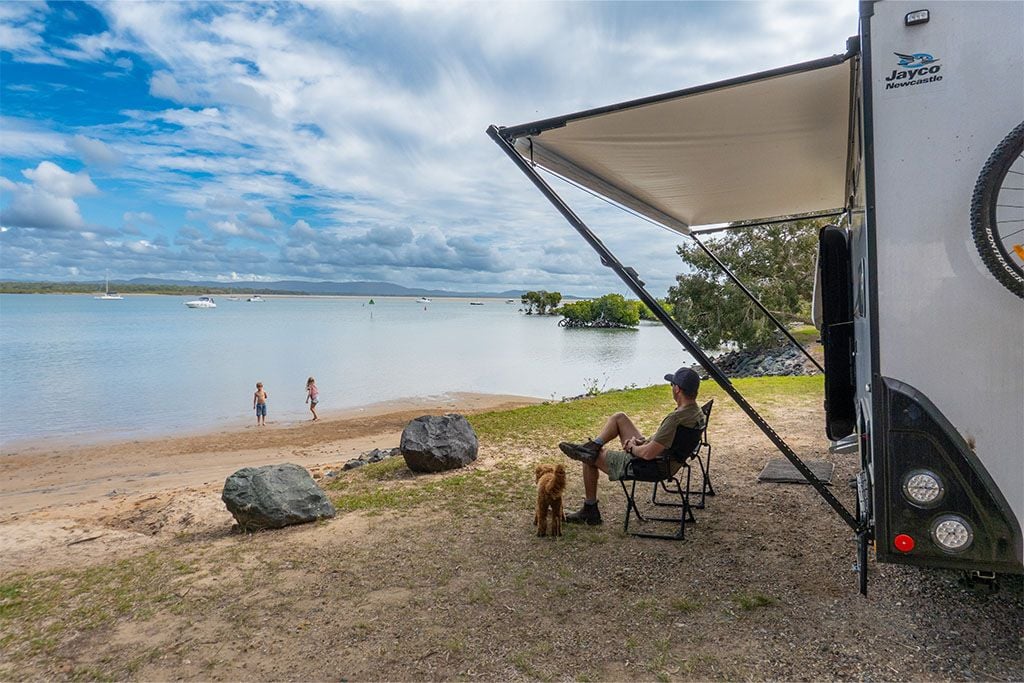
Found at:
(686, 379)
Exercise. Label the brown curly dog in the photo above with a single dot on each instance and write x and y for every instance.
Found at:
(550, 484)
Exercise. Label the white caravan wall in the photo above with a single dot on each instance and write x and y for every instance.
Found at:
(946, 325)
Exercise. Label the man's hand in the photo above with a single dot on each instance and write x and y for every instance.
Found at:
(633, 441)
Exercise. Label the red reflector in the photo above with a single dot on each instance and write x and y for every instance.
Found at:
(903, 543)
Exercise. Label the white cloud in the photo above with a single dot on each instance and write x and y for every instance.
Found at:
(94, 151)
(371, 116)
(51, 178)
(48, 202)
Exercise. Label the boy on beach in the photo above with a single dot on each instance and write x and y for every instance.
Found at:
(259, 403)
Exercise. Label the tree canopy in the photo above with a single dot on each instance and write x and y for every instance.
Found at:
(610, 310)
(775, 262)
(542, 302)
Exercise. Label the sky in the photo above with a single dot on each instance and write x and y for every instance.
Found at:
(342, 140)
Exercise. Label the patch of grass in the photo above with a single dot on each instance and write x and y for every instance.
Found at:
(38, 612)
(480, 594)
(805, 334)
(648, 405)
(754, 601)
(683, 605)
(524, 663)
(385, 469)
(465, 492)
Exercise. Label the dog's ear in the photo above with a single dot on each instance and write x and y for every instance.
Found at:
(559, 469)
(539, 470)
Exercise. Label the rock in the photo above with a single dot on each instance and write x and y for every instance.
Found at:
(436, 443)
(352, 464)
(274, 496)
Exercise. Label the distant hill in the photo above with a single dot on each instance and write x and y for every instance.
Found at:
(161, 286)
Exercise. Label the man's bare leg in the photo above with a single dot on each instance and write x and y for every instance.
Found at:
(618, 425)
(590, 475)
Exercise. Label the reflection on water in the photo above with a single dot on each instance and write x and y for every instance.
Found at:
(146, 365)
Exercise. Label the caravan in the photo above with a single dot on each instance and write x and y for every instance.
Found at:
(911, 142)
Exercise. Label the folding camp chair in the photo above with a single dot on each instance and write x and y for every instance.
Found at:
(703, 449)
(662, 471)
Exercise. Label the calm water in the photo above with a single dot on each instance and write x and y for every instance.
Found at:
(75, 366)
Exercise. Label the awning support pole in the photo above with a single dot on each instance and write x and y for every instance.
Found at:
(629, 276)
(757, 302)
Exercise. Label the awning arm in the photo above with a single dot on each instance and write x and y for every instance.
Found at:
(757, 302)
(632, 280)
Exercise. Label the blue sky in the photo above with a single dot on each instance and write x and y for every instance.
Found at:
(341, 140)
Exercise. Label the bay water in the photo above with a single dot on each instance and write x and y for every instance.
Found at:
(73, 367)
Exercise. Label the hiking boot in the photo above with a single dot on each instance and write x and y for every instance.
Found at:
(588, 514)
(586, 452)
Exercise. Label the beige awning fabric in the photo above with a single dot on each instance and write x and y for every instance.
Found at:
(750, 149)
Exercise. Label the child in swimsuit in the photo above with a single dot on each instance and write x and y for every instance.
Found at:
(259, 403)
(312, 397)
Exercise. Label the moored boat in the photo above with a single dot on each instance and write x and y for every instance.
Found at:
(202, 302)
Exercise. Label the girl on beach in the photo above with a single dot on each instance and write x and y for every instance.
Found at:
(312, 397)
(259, 403)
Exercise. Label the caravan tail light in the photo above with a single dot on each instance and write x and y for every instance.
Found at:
(903, 543)
(952, 533)
(923, 488)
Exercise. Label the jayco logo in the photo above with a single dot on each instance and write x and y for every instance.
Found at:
(914, 69)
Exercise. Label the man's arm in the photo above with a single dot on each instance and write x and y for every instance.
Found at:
(646, 451)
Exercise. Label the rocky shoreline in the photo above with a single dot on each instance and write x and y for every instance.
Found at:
(777, 362)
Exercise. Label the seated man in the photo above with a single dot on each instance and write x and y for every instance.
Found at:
(594, 456)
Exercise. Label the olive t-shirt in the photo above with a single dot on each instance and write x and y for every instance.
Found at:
(685, 416)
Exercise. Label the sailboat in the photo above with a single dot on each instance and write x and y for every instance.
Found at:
(107, 294)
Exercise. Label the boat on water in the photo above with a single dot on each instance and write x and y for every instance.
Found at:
(510, 301)
(202, 302)
(255, 299)
(423, 300)
(107, 294)
(476, 303)
(233, 298)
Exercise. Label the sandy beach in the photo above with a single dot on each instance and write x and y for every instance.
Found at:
(53, 495)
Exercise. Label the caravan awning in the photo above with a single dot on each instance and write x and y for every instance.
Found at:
(769, 145)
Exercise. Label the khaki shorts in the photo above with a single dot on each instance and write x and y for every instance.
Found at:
(620, 467)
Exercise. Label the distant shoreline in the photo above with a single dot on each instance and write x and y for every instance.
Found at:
(275, 295)
(239, 288)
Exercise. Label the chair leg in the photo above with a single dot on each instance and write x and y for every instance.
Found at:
(685, 509)
(631, 507)
(709, 489)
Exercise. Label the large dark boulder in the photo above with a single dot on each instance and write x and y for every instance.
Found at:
(274, 496)
(434, 443)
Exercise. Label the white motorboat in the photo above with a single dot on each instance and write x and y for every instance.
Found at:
(107, 294)
(202, 302)
(423, 300)
(255, 298)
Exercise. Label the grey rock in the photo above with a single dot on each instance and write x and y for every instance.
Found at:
(435, 443)
(352, 464)
(274, 496)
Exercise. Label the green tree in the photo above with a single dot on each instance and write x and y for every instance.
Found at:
(610, 310)
(541, 302)
(551, 301)
(647, 314)
(775, 262)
